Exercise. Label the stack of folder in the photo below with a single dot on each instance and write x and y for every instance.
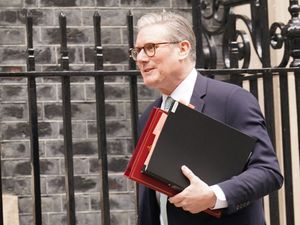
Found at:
(213, 150)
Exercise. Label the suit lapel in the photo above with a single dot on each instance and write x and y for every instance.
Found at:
(199, 92)
(157, 102)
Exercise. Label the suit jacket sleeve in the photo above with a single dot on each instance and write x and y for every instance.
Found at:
(262, 174)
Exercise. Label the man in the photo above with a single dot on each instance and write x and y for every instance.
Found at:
(165, 54)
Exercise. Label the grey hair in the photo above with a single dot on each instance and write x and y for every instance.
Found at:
(179, 27)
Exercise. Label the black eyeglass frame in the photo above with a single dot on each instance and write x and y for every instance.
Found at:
(133, 52)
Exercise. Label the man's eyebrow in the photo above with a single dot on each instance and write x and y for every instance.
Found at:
(151, 42)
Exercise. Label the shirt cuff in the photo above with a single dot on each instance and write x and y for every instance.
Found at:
(221, 199)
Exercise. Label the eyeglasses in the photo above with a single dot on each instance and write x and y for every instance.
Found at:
(149, 49)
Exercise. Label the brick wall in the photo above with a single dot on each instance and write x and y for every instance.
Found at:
(14, 130)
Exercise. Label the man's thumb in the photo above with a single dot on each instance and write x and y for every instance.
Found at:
(187, 172)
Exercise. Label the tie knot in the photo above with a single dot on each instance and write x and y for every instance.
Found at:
(168, 103)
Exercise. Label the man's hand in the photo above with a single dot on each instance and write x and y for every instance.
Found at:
(195, 198)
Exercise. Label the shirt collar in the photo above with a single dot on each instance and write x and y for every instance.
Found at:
(184, 90)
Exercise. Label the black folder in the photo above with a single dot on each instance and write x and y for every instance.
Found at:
(213, 150)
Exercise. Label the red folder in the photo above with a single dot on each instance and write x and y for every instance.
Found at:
(143, 148)
(140, 154)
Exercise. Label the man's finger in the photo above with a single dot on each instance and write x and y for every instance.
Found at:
(176, 199)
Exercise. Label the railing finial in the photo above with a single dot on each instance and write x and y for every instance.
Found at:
(292, 32)
(98, 57)
(63, 43)
(30, 49)
(294, 8)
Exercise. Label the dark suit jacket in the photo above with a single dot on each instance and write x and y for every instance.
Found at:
(238, 108)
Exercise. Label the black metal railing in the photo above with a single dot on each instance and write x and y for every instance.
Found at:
(251, 75)
(234, 51)
(33, 122)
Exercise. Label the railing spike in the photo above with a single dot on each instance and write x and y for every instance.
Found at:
(129, 13)
(96, 13)
(62, 14)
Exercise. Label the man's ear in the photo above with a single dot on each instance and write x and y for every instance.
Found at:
(184, 49)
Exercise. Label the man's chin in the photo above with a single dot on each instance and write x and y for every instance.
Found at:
(150, 84)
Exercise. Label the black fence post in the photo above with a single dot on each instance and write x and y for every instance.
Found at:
(286, 144)
(254, 87)
(133, 97)
(101, 126)
(235, 78)
(197, 27)
(67, 124)
(33, 123)
(233, 49)
(133, 80)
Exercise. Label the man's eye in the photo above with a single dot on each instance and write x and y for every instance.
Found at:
(137, 50)
(148, 47)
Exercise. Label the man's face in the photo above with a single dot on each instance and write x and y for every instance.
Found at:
(159, 71)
